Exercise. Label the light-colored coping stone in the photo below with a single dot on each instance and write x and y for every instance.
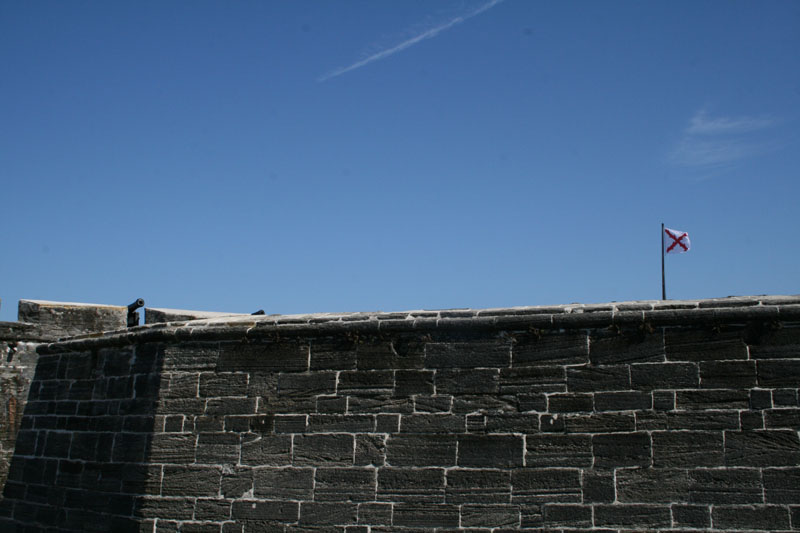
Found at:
(154, 315)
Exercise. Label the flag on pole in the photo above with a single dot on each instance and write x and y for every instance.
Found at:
(676, 242)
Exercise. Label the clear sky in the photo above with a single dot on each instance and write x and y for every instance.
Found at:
(317, 156)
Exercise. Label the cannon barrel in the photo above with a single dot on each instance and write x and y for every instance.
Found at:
(133, 316)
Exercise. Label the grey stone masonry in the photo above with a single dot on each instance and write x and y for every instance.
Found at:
(56, 320)
(636, 416)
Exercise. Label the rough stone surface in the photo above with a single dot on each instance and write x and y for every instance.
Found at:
(638, 416)
(62, 319)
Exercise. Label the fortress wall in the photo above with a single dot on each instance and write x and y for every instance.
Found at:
(641, 416)
(39, 321)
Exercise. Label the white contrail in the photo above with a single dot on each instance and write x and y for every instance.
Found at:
(429, 34)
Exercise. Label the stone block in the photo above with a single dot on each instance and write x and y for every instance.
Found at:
(468, 354)
(306, 384)
(709, 399)
(341, 423)
(283, 356)
(551, 349)
(177, 508)
(236, 482)
(691, 516)
(785, 397)
(569, 402)
(411, 485)
(639, 517)
(622, 401)
(440, 403)
(486, 451)
(375, 514)
(219, 384)
(273, 511)
(432, 423)
(230, 406)
(327, 514)
(545, 485)
(598, 486)
(598, 378)
(532, 402)
(267, 450)
(331, 354)
(664, 376)
(290, 423)
(387, 423)
(217, 448)
(367, 382)
(751, 420)
(687, 449)
(558, 450)
(703, 420)
(425, 516)
(370, 450)
(491, 516)
(621, 449)
(725, 486)
(760, 517)
(652, 485)
(600, 423)
(421, 450)
(508, 423)
(762, 448)
(778, 373)
(782, 485)
(625, 348)
(344, 484)
(533, 379)
(704, 345)
(478, 485)
(776, 344)
(566, 515)
(331, 404)
(212, 510)
(467, 381)
(377, 355)
(379, 404)
(191, 480)
(333, 449)
(411, 382)
(782, 418)
(728, 374)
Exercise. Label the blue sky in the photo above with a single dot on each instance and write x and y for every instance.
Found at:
(318, 156)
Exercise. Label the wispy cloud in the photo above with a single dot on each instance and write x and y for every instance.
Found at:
(427, 34)
(711, 143)
(702, 124)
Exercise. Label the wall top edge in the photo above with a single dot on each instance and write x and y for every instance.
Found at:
(48, 303)
(732, 310)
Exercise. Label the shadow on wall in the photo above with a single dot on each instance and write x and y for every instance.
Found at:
(80, 458)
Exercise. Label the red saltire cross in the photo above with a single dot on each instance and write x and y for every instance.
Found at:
(677, 240)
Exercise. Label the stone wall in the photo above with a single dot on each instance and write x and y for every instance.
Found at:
(39, 321)
(640, 416)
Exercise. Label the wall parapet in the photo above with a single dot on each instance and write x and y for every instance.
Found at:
(572, 316)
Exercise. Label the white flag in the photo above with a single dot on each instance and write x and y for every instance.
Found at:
(676, 242)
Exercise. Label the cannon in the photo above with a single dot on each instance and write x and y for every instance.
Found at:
(133, 316)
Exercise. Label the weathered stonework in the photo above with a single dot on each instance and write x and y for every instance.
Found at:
(637, 416)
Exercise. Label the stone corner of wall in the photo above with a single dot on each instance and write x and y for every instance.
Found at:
(58, 320)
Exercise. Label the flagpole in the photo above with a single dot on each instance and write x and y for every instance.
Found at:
(663, 284)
